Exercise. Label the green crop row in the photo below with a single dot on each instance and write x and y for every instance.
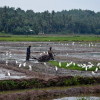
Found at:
(50, 38)
(39, 83)
(72, 66)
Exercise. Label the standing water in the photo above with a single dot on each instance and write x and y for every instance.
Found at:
(79, 98)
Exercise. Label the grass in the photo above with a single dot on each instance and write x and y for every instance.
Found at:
(6, 85)
(72, 67)
(36, 38)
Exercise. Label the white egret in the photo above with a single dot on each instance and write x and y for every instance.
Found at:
(30, 67)
(89, 66)
(6, 62)
(44, 52)
(89, 63)
(74, 64)
(86, 68)
(89, 44)
(93, 73)
(8, 74)
(41, 53)
(98, 64)
(44, 63)
(73, 43)
(20, 65)
(16, 62)
(68, 64)
(96, 69)
(56, 68)
(59, 64)
(6, 53)
(24, 64)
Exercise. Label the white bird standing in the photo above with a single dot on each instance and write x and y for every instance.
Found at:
(44, 52)
(20, 65)
(44, 63)
(6, 62)
(59, 64)
(89, 66)
(30, 67)
(86, 68)
(68, 64)
(16, 62)
(56, 68)
(6, 53)
(89, 44)
(98, 64)
(41, 54)
(96, 69)
(73, 43)
(74, 64)
(10, 55)
(24, 64)
(8, 74)
(93, 73)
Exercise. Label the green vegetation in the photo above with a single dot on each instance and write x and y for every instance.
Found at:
(72, 66)
(49, 38)
(39, 83)
(85, 98)
(18, 21)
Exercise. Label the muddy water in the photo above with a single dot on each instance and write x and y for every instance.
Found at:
(79, 50)
(13, 74)
(79, 98)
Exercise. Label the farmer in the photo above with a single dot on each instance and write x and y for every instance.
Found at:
(50, 53)
(28, 53)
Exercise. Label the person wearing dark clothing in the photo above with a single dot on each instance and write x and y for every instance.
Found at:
(28, 53)
(50, 53)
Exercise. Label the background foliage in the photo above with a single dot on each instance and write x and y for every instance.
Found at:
(18, 21)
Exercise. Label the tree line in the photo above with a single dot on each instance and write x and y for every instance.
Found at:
(75, 21)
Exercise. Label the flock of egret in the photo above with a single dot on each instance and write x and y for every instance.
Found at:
(8, 55)
(78, 44)
(85, 66)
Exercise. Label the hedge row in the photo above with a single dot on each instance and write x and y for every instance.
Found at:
(40, 83)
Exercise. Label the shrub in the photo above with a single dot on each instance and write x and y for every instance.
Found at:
(71, 81)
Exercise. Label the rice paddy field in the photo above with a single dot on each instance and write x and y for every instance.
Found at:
(93, 38)
(74, 56)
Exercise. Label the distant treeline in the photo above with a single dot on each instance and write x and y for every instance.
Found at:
(18, 21)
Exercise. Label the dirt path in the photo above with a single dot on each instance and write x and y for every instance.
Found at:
(49, 93)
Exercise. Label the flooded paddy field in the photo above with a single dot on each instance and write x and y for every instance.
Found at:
(63, 51)
(13, 63)
(78, 52)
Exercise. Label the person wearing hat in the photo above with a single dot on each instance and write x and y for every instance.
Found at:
(28, 53)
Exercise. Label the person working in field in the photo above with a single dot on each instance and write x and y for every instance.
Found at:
(45, 57)
(28, 53)
(50, 53)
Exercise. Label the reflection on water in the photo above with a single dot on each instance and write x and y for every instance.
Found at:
(3, 76)
(79, 98)
(86, 55)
